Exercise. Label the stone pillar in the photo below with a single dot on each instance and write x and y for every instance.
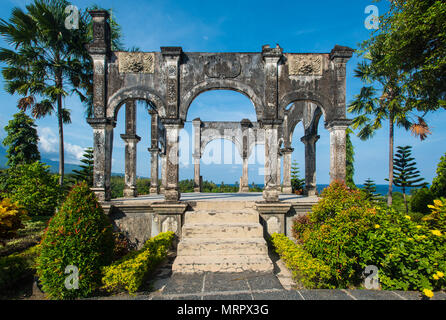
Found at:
(154, 153)
(287, 152)
(131, 139)
(310, 164)
(197, 153)
(163, 172)
(279, 169)
(102, 154)
(338, 148)
(270, 193)
(244, 184)
(172, 192)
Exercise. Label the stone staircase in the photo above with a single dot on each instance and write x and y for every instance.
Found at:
(222, 237)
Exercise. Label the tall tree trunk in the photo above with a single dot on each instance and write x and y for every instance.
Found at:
(391, 135)
(60, 121)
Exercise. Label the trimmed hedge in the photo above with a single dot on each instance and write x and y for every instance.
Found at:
(310, 272)
(129, 272)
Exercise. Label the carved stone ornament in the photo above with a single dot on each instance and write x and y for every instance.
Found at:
(136, 62)
(305, 65)
(222, 67)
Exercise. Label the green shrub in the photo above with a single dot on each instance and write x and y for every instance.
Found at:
(437, 219)
(438, 187)
(421, 199)
(17, 266)
(301, 228)
(310, 272)
(80, 235)
(129, 272)
(33, 187)
(336, 198)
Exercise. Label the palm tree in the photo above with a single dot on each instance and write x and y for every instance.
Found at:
(46, 61)
(374, 106)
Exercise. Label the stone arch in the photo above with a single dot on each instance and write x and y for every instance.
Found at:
(137, 92)
(317, 98)
(238, 144)
(225, 84)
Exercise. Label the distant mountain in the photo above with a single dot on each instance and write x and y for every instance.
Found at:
(54, 165)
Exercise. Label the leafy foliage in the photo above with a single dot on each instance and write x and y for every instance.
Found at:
(11, 219)
(33, 187)
(350, 160)
(129, 272)
(310, 272)
(421, 199)
(352, 233)
(80, 235)
(438, 187)
(22, 140)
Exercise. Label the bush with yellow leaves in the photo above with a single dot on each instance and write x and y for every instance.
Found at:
(11, 218)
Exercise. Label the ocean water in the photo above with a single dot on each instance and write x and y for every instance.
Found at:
(381, 189)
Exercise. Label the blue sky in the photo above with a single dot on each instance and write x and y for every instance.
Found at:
(297, 26)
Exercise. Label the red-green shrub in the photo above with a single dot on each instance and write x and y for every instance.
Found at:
(78, 235)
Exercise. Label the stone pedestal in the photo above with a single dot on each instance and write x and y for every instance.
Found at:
(310, 164)
(169, 216)
(273, 216)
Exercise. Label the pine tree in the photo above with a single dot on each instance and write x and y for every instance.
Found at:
(296, 182)
(86, 173)
(405, 172)
(370, 188)
(22, 140)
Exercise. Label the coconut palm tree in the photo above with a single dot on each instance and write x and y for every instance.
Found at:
(384, 102)
(45, 62)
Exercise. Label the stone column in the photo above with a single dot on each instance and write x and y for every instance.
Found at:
(102, 146)
(287, 152)
(279, 169)
(172, 193)
(197, 153)
(270, 193)
(163, 173)
(244, 184)
(154, 153)
(131, 139)
(310, 164)
(338, 148)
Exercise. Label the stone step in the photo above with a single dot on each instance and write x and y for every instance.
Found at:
(213, 216)
(222, 230)
(224, 263)
(199, 246)
(223, 205)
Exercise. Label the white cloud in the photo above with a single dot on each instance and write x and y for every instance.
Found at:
(49, 145)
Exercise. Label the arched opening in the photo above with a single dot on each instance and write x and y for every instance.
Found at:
(217, 157)
(131, 167)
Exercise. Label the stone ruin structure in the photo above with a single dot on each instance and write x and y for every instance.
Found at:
(313, 84)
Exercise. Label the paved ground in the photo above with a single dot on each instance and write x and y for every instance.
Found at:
(249, 286)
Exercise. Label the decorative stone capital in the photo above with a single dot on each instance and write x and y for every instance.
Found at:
(154, 150)
(310, 139)
(130, 138)
(286, 150)
(340, 52)
(101, 44)
(101, 123)
(172, 123)
(338, 124)
(272, 55)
